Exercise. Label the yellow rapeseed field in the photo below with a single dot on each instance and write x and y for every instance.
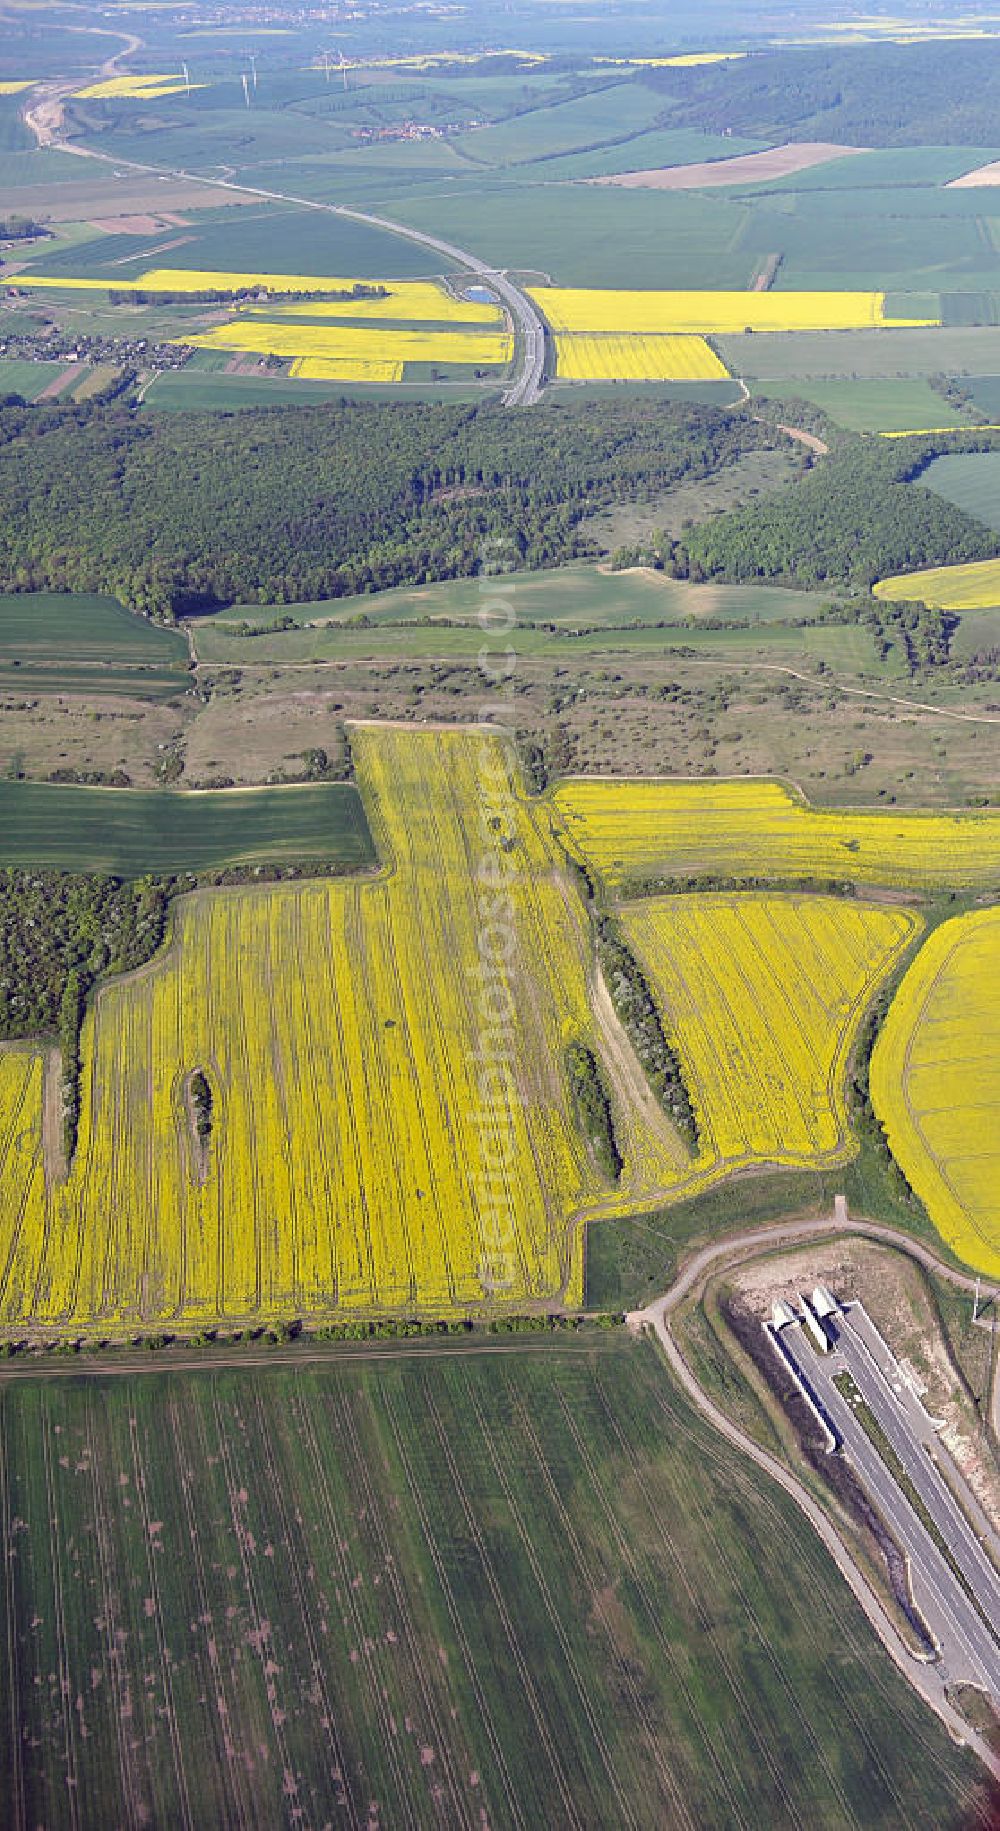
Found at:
(578, 310)
(975, 586)
(420, 300)
(15, 88)
(765, 995)
(319, 368)
(391, 1124)
(935, 1080)
(637, 358)
(392, 1127)
(643, 829)
(935, 432)
(135, 88)
(355, 342)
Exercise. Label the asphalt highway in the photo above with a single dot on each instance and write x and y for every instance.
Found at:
(969, 1647)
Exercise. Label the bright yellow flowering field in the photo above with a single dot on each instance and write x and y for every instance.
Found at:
(765, 994)
(392, 1127)
(10, 87)
(135, 88)
(935, 1081)
(355, 342)
(638, 358)
(574, 310)
(640, 829)
(405, 299)
(347, 368)
(975, 586)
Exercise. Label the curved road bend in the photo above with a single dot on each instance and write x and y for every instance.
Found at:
(656, 1317)
(525, 385)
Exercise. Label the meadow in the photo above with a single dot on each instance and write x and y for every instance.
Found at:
(447, 1587)
(645, 829)
(935, 1083)
(572, 596)
(848, 647)
(134, 831)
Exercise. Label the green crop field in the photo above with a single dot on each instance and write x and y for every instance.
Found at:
(271, 239)
(446, 1587)
(27, 379)
(873, 406)
(890, 167)
(576, 232)
(985, 393)
(971, 480)
(645, 152)
(48, 626)
(862, 355)
(618, 112)
(131, 831)
(177, 389)
(91, 680)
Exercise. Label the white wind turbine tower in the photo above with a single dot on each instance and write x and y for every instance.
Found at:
(246, 89)
(187, 79)
(253, 66)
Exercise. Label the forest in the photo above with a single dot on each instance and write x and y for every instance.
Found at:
(859, 515)
(863, 95)
(174, 513)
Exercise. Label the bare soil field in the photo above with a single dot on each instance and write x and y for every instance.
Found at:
(982, 176)
(748, 168)
(102, 194)
(146, 224)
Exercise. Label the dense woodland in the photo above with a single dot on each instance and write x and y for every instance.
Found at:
(55, 926)
(859, 515)
(872, 95)
(172, 512)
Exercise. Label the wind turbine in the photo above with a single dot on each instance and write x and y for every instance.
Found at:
(187, 79)
(246, 88)
(253, 66)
